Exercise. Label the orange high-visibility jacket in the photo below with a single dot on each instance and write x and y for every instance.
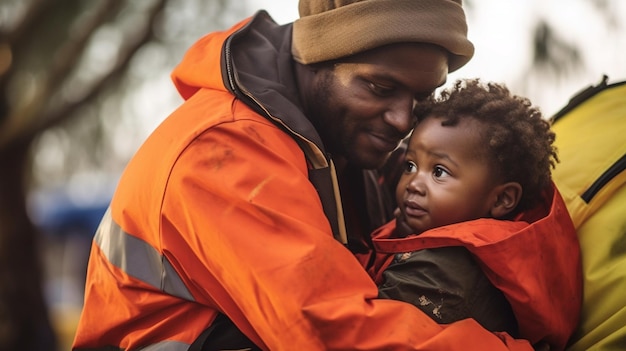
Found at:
(534, 260)
(217, 211)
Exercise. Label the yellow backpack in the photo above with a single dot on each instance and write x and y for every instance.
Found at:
(591, 141)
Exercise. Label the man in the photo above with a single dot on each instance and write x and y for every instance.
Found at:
(234, 214)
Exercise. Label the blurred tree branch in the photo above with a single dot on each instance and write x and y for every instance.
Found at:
(553, 54)
(126, 53)
(31, 117)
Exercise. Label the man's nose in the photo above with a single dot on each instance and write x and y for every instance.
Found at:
(400, 115)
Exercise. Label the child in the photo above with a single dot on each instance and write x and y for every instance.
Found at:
(481, 232)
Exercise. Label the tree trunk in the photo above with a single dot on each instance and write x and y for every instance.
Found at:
(24, 321)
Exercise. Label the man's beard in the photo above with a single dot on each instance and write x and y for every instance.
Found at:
(328, 116)
(326, 121)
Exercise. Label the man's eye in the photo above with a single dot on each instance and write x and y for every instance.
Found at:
(410, 167)
(382, 90)
(440, 172)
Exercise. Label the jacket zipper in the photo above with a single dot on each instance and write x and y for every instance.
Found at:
(316, 154)
(229, 65)
(615, 169)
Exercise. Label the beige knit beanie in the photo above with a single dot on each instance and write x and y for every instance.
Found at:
(331, 29)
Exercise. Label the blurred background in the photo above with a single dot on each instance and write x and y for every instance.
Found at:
(83, 83)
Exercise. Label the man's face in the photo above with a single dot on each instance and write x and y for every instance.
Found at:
(362, 106)
(447, 177)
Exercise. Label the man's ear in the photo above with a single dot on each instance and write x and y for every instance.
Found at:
(507, 198)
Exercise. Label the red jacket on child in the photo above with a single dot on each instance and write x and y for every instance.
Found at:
(534, 260)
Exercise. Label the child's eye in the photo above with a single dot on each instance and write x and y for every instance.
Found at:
(410, 167)
(440, 172)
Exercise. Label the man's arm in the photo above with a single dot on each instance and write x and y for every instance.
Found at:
(265, 254)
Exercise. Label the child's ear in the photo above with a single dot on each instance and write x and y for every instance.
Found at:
(507, 198)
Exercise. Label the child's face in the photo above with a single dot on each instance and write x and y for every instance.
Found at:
(446, 177)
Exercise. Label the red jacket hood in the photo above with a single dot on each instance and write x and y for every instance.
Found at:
(534, 260)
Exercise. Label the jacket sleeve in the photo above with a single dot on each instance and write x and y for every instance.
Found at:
(245, 229)
(448, 285)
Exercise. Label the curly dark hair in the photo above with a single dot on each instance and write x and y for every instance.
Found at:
(518, 139)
